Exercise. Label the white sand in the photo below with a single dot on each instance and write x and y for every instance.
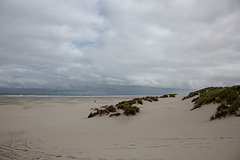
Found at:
(58, 128)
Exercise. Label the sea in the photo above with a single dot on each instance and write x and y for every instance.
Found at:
(102, 92)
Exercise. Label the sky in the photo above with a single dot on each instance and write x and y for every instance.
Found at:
(70, 44)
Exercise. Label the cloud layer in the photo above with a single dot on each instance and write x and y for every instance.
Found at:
(72, 44)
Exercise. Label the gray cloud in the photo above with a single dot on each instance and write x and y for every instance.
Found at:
(71, 44)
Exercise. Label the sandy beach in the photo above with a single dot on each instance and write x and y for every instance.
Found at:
(58, 129)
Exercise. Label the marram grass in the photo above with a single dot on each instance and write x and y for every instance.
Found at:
(228, 99)
(127, 107)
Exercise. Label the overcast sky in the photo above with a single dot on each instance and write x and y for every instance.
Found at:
(158, 43)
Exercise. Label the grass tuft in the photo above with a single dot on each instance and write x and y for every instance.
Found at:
(126, 106)
(228, 99)
(168, 95)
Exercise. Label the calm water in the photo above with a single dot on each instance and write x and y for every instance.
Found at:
(105, 92)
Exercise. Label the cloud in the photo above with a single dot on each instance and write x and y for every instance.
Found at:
(71, 44)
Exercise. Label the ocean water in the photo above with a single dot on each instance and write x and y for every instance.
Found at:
(92, 92)
(53, 96)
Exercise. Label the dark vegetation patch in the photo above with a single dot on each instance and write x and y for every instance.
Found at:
(126, 107)
(168, 95)
(150, 98)
(228, 99)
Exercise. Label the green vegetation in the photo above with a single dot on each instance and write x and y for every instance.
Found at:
(172, 95)
(126, 106)
(131, 110)
(139, 101)
(150, 98)
(164, 96)
(104, 110)
(115, 114)
(228, 99)
(168, 95)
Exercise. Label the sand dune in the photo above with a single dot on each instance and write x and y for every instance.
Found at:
(58, 128)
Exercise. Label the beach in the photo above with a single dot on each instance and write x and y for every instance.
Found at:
(57, 128)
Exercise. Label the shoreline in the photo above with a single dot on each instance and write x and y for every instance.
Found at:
(63, 96)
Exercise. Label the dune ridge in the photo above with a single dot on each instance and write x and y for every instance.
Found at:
(58, 128)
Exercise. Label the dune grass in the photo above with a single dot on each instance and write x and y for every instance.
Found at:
(228, 99)
(168, 95)
(127, 107)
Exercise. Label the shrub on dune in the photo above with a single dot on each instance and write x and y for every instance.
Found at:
(168, 95)
(126, 107)
(129, 111)
(228, 99)
(139, 101)
(164, 96)
(172, 95)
